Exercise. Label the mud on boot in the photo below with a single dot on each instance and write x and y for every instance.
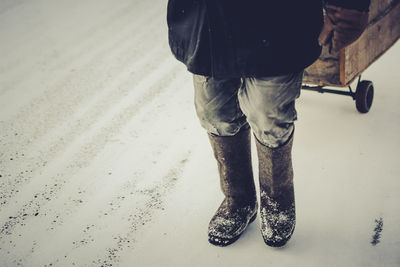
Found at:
(239, 207)
(277, 203)
(230, 221)
(277, 223)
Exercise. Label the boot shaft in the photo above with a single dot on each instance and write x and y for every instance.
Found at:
(234, 164)
(276, 171)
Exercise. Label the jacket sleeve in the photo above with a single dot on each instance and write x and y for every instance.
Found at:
(361, 5)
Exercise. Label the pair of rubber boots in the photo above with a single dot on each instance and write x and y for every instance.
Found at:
(239, 208)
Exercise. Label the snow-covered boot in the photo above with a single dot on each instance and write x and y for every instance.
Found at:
(277, 206)
(239, 208)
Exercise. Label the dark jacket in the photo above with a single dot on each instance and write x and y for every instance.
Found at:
(252, 38)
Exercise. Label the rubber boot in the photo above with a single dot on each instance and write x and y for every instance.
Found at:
(277, 205)
(239, 208)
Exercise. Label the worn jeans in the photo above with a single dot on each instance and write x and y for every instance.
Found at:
(267, 105)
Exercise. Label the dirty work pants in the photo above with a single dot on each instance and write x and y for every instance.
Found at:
(267, 105)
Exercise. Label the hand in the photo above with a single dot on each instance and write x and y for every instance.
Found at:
(342, 27)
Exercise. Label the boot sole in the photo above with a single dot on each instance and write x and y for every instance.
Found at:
(223, 242)
(278, 244)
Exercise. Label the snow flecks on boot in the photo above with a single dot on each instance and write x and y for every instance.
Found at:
(229, 222)
(277, 225)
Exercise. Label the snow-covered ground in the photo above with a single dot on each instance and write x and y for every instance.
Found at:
(103, 161)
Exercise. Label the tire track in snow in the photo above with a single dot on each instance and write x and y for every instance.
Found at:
(54, 169)
(41, 199)
(132, 206)
(141, 136)
(81, 123)
(144, 66)
(73, 92)
(73, 83)
(143, 215)
(93, 144)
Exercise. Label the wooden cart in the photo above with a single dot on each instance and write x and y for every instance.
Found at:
(341, 69)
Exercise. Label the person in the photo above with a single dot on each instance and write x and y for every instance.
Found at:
(247, 60)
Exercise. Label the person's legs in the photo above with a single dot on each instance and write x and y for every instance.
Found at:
(217, 106)
(218, 110)
(269, 104)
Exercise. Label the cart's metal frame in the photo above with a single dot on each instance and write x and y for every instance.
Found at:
(323, 89)
(363, 95)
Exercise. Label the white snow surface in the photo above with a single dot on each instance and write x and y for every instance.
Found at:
(103, 161)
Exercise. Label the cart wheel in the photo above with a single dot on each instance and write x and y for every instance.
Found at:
(364, 96)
